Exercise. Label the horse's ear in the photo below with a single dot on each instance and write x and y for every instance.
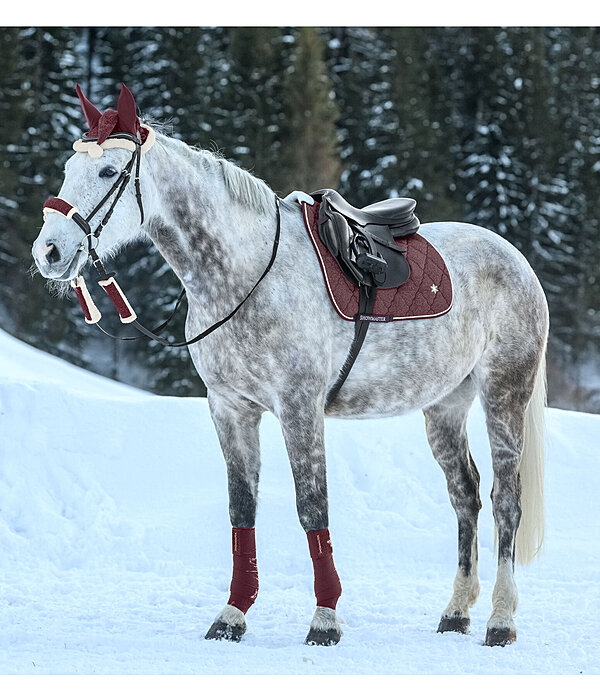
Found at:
(91, 114)
(127, 111)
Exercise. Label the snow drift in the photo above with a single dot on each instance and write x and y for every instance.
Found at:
(115, 541)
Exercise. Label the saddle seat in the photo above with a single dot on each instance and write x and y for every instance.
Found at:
(363, 241)
(396, 210)
(389, 212)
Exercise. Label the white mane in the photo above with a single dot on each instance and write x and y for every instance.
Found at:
(244, 187)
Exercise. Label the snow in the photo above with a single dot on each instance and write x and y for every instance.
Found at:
(115, 541)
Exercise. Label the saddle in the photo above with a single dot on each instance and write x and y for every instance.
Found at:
(363, 242)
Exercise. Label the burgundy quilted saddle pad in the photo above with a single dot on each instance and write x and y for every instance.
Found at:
(426, 294)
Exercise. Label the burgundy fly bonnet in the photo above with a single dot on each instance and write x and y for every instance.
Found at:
(110, 130)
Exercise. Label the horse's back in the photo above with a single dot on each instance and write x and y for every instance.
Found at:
(497, 300)
(480, 254)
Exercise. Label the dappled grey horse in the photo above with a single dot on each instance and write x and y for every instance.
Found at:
(215, 224)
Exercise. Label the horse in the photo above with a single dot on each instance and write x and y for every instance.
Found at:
(215, 223)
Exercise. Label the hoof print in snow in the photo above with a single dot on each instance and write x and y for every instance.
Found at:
(454, 624)
(322, 638)
(500, 637)
(223, 630)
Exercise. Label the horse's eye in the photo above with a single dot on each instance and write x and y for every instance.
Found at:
(108, 171)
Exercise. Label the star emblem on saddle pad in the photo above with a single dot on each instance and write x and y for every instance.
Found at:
(434, 288)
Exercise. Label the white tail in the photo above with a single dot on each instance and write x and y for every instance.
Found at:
(530, 535)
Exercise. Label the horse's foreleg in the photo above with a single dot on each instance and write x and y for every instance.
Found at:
(237, 428)
(303, 430)
(447, 435)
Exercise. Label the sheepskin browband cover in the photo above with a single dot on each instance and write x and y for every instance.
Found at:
(327, 582)
(95, 150)
(244, 580)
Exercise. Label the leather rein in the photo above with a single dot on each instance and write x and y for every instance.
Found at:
(107, 280)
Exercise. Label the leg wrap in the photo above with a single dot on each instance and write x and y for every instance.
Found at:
(327, 582)
(244, 581)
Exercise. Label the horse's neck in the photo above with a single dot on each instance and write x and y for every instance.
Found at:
(214, 244)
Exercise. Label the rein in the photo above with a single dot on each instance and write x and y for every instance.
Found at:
(107, 280)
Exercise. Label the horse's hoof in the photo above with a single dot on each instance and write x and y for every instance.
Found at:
(455, 623)
(222, 630)
(230, 625)
(323, 638)
(500, 636)
(325, 630)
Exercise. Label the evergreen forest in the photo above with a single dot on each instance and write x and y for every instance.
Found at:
(497, 126)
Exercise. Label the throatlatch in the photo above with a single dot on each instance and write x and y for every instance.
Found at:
(244, 580)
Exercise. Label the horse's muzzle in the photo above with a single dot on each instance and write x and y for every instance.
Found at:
(53, 263)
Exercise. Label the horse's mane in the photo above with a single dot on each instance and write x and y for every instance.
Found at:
(243, 187)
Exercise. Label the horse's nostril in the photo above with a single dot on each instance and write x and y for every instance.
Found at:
(52, 254)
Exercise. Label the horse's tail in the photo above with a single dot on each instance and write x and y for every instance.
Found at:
(530, 534)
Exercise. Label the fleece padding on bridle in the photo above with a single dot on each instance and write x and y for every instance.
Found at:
(119, 300)
(328, 588)
(90, 310)
(244, 580)
(56, 205)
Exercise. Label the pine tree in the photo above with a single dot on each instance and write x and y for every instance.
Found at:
(420, 125)
(246, 116)
(13, 117)
(357, 59)
(309, 155)
(42, 64)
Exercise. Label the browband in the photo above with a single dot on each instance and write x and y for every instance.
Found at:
(90, 145)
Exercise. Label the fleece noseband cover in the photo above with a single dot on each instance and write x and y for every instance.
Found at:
(244, 580)
(327, 582)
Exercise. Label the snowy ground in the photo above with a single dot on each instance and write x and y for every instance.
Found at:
(115, 541)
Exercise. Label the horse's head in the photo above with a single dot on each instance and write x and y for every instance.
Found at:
(102, 156)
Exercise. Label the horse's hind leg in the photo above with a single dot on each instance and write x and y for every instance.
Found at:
(507, 383)
(446, 431)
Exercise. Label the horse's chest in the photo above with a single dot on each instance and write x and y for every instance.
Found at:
(228, 364)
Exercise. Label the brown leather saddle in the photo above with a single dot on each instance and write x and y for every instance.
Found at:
(364, 244)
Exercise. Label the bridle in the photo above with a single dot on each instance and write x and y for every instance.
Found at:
(107, 280)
